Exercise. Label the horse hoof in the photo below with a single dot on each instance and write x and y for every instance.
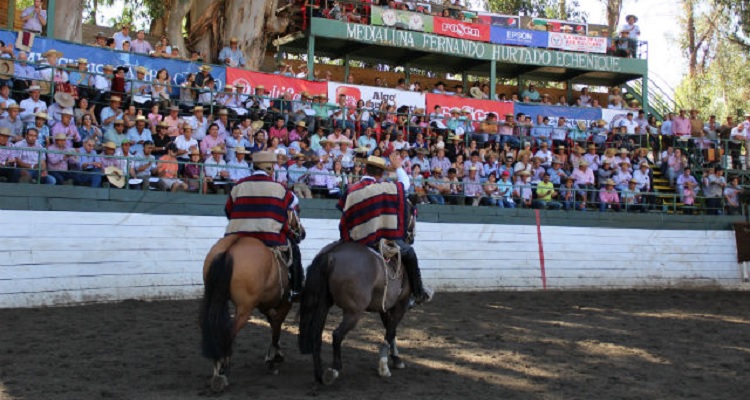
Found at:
(330, 376)
(219, 383)
(397, 363)
(278, 359)
(272, 368)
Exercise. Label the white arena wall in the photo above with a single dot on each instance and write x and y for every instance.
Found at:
(51, 258)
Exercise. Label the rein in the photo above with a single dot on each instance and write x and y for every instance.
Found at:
(388, 250)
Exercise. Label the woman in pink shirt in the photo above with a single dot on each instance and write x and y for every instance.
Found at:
(608, 197)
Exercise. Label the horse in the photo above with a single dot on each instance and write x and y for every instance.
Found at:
(247, 272)
(356, 279)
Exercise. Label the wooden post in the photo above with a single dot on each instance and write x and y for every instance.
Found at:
(50, 19)
(12, 14)
(493, 79)
(310, 57)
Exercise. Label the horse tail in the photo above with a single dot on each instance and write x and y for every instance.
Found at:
(314, 304)
(215, 321)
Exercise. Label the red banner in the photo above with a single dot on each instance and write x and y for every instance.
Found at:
(275, 84)
(461, 30)
(478, 108)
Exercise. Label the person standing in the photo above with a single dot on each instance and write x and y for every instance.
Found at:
(34, 18)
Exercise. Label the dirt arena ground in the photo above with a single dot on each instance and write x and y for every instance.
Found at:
(504, 345)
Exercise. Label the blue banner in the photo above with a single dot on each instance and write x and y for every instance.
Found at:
(99, 57)
(518, 37)
(572, 114)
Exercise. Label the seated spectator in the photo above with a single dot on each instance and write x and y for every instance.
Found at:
(13, 123)
(631, 197)
(167, 170)
(583, 178)
(585, 97)
(59, 157)
(139, 134)
(192, 171)
(238, 167)
(8, 157)
(111, 113)
(90, 165)
(32, 105)
(522, 191)
(473, 186)
(684, 179)
(185, 143)
(688, 196)
(67, 127)
(732, 196)
(30, 159)
(545, 194)
(608, 197)
(231, 55)
(144, 165)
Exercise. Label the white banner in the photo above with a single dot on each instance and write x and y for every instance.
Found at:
(614, 116)
(376, 95)
(578, 43)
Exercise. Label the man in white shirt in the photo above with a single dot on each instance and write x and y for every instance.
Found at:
(198, 123)
(32, 105)
(629, 124)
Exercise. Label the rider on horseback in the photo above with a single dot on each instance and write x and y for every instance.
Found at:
(262, 208)
(373, 210)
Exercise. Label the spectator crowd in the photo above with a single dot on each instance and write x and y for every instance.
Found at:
(107, 129)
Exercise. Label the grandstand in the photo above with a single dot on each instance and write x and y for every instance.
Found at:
(468, 67)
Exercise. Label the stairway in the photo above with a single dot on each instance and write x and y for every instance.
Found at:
(667, 196)
(660, 97)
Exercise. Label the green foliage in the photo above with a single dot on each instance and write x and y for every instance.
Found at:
(723, 87)
(540, 8)
(738, 29)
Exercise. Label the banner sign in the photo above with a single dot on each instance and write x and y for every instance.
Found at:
(99, 57)
(503, 21)
(462, 30)
(572, 114)
(518, 37)
(478, 108)
(553, 25)
(614, 116)
(577, 43)
(472, 49)
(399, 19)
(275, 85)
(374, 95)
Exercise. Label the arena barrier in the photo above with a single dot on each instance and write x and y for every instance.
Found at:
(54, 258)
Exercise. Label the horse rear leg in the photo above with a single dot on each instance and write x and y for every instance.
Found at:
(276, 318)
(348, 322)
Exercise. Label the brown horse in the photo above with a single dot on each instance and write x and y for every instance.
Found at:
(245, 271)
(356, 279)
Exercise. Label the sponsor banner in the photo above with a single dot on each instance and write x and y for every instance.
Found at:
(399, 19)
(553, 25)
(614, 116)
(573, 115)
(503, 21)
(478, 108)
(99, 57)
(518, 37)
(375, 95)
(275, 85)
(577, 43)
(462, 30)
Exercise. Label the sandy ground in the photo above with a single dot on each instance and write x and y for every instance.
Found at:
(554, 345)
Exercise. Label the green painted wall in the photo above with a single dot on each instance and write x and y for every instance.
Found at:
(71, 198)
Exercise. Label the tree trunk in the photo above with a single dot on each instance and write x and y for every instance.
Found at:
(158, 26)
(253, 23)
(175, 17)
(202, 25)
(614, 8)
(563, 7)
(690, 32)
(68, 20)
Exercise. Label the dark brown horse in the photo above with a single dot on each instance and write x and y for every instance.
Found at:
(356, 279)
(245, 271)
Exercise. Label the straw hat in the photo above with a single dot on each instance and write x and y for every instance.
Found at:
(67, 111)
(624, 151)
(302, 124)
(609, 182)
(7, 69)
(15, 107)
(141, 70)
(217, 149)
(223, 111)
(65, 100)
(583, 163)
(162, 124)
(115, 176)
(113, 98)
(5, 132)
(52, 52)
(377, 162)
(110, 145)
(34, 88)
(197, 108)
(581, 125)
(256, 125)
(264, 157)
(206, 68)
(141, 118)
(523, 173)
(60, 136)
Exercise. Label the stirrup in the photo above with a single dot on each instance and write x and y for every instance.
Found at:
(425, 297)
(294, 297)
